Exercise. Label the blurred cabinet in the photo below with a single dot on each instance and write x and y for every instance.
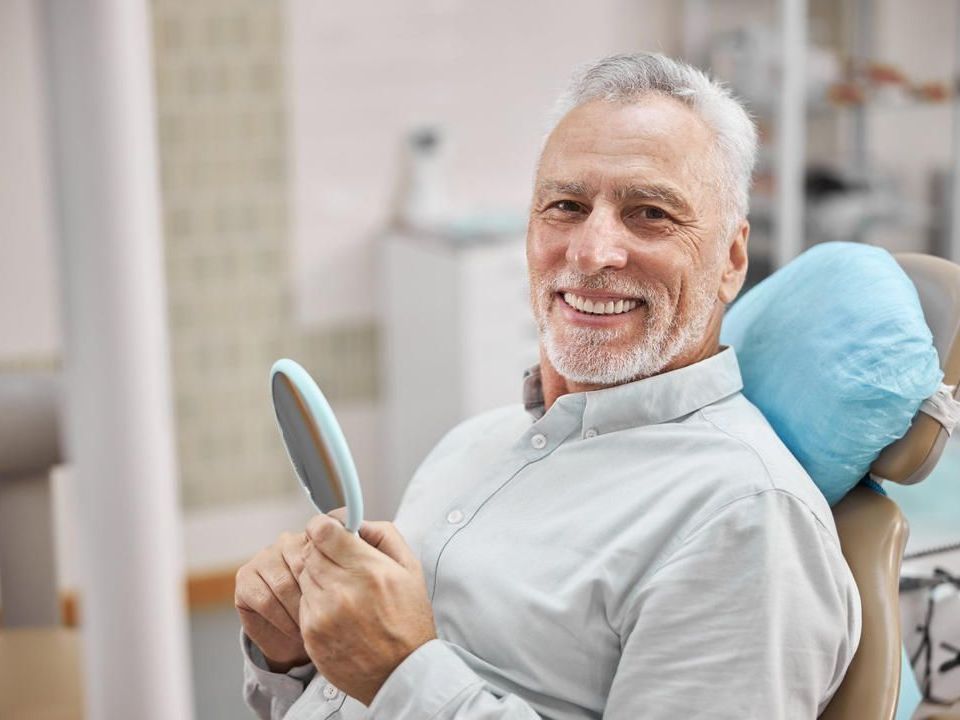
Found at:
(859, 115)
(457, 335)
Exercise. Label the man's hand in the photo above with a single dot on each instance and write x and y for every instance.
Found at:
(364, 606)
(267, 598)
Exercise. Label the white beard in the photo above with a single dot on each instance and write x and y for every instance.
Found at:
(586, 355)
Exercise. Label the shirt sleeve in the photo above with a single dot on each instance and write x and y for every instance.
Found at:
(755, 614)
(434, 683)
(270, 695)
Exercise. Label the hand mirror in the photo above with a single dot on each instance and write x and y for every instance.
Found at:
(315, 443)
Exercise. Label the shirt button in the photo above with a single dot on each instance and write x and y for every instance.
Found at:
(454, 517)
(330, 692)
(590, 433)
(539, 441)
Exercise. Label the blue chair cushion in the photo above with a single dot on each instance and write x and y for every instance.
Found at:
(835, 352)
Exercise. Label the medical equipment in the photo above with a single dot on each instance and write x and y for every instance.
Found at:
(315, 443)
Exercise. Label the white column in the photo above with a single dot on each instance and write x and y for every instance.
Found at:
(117, 376)
(953, 242)
(791, 132)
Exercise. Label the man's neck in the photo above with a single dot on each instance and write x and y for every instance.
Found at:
(554, 384)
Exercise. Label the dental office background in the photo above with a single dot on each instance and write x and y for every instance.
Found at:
(346, 183)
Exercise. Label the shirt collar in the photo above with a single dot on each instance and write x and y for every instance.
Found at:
(653, 400)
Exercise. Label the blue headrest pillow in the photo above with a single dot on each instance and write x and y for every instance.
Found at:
(835, 352)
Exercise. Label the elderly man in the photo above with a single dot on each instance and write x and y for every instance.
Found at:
(643, 546)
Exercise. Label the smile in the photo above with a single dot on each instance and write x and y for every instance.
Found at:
(599, 306)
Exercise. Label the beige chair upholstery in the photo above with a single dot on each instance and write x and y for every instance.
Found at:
(912, 457)
(872, 530)
(873, 534)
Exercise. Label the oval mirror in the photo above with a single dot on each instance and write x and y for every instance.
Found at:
(315, 443)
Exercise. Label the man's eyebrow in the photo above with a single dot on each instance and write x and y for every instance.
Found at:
(563, 187)
(655, 191)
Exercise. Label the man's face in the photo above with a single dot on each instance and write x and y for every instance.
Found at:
(624, 244)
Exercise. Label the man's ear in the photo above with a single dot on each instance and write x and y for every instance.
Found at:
(734, 264)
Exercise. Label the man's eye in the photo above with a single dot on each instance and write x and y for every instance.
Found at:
(567, 206)
(652, 213)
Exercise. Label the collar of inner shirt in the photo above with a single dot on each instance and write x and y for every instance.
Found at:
(656, 399)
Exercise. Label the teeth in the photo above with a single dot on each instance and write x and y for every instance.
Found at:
(609, 307)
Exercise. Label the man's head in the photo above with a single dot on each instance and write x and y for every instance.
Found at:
(639, 213)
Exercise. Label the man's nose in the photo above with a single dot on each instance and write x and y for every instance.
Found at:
(598, 244)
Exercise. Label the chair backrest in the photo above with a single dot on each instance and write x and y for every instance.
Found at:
(912, 457)
(872, 530)
(873, 533)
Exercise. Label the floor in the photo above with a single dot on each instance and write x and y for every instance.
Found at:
(217, 665)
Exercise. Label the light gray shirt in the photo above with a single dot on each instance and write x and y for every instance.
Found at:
(650, 550)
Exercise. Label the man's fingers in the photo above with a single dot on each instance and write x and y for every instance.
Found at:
(311, 593)
(385, 537)
(285, 588)
(280, 568)
(256, 627)
(291, 550)
(317, 567)
(333, 540)
(330, 537)
(255, 596)
(310, 586)
(340, 514)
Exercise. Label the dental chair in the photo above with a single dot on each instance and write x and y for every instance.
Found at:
(872, 530)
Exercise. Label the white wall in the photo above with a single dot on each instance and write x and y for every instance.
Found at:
(362, 73)
(29, 314)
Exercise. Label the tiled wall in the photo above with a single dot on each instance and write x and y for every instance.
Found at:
(222, 131)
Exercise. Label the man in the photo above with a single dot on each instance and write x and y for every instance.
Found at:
(643, 546)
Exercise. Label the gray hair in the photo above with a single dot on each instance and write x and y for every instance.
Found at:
(628, 78)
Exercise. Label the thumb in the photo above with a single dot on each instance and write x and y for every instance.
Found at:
(385, 537)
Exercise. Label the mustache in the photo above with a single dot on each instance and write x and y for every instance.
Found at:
(569, 279)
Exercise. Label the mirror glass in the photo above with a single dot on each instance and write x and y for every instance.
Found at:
(315, 443)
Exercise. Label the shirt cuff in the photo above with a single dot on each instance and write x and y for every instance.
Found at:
(255, 666)
(428, 680)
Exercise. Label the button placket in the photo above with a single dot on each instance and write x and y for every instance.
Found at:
(466, 505)
(560, 423)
